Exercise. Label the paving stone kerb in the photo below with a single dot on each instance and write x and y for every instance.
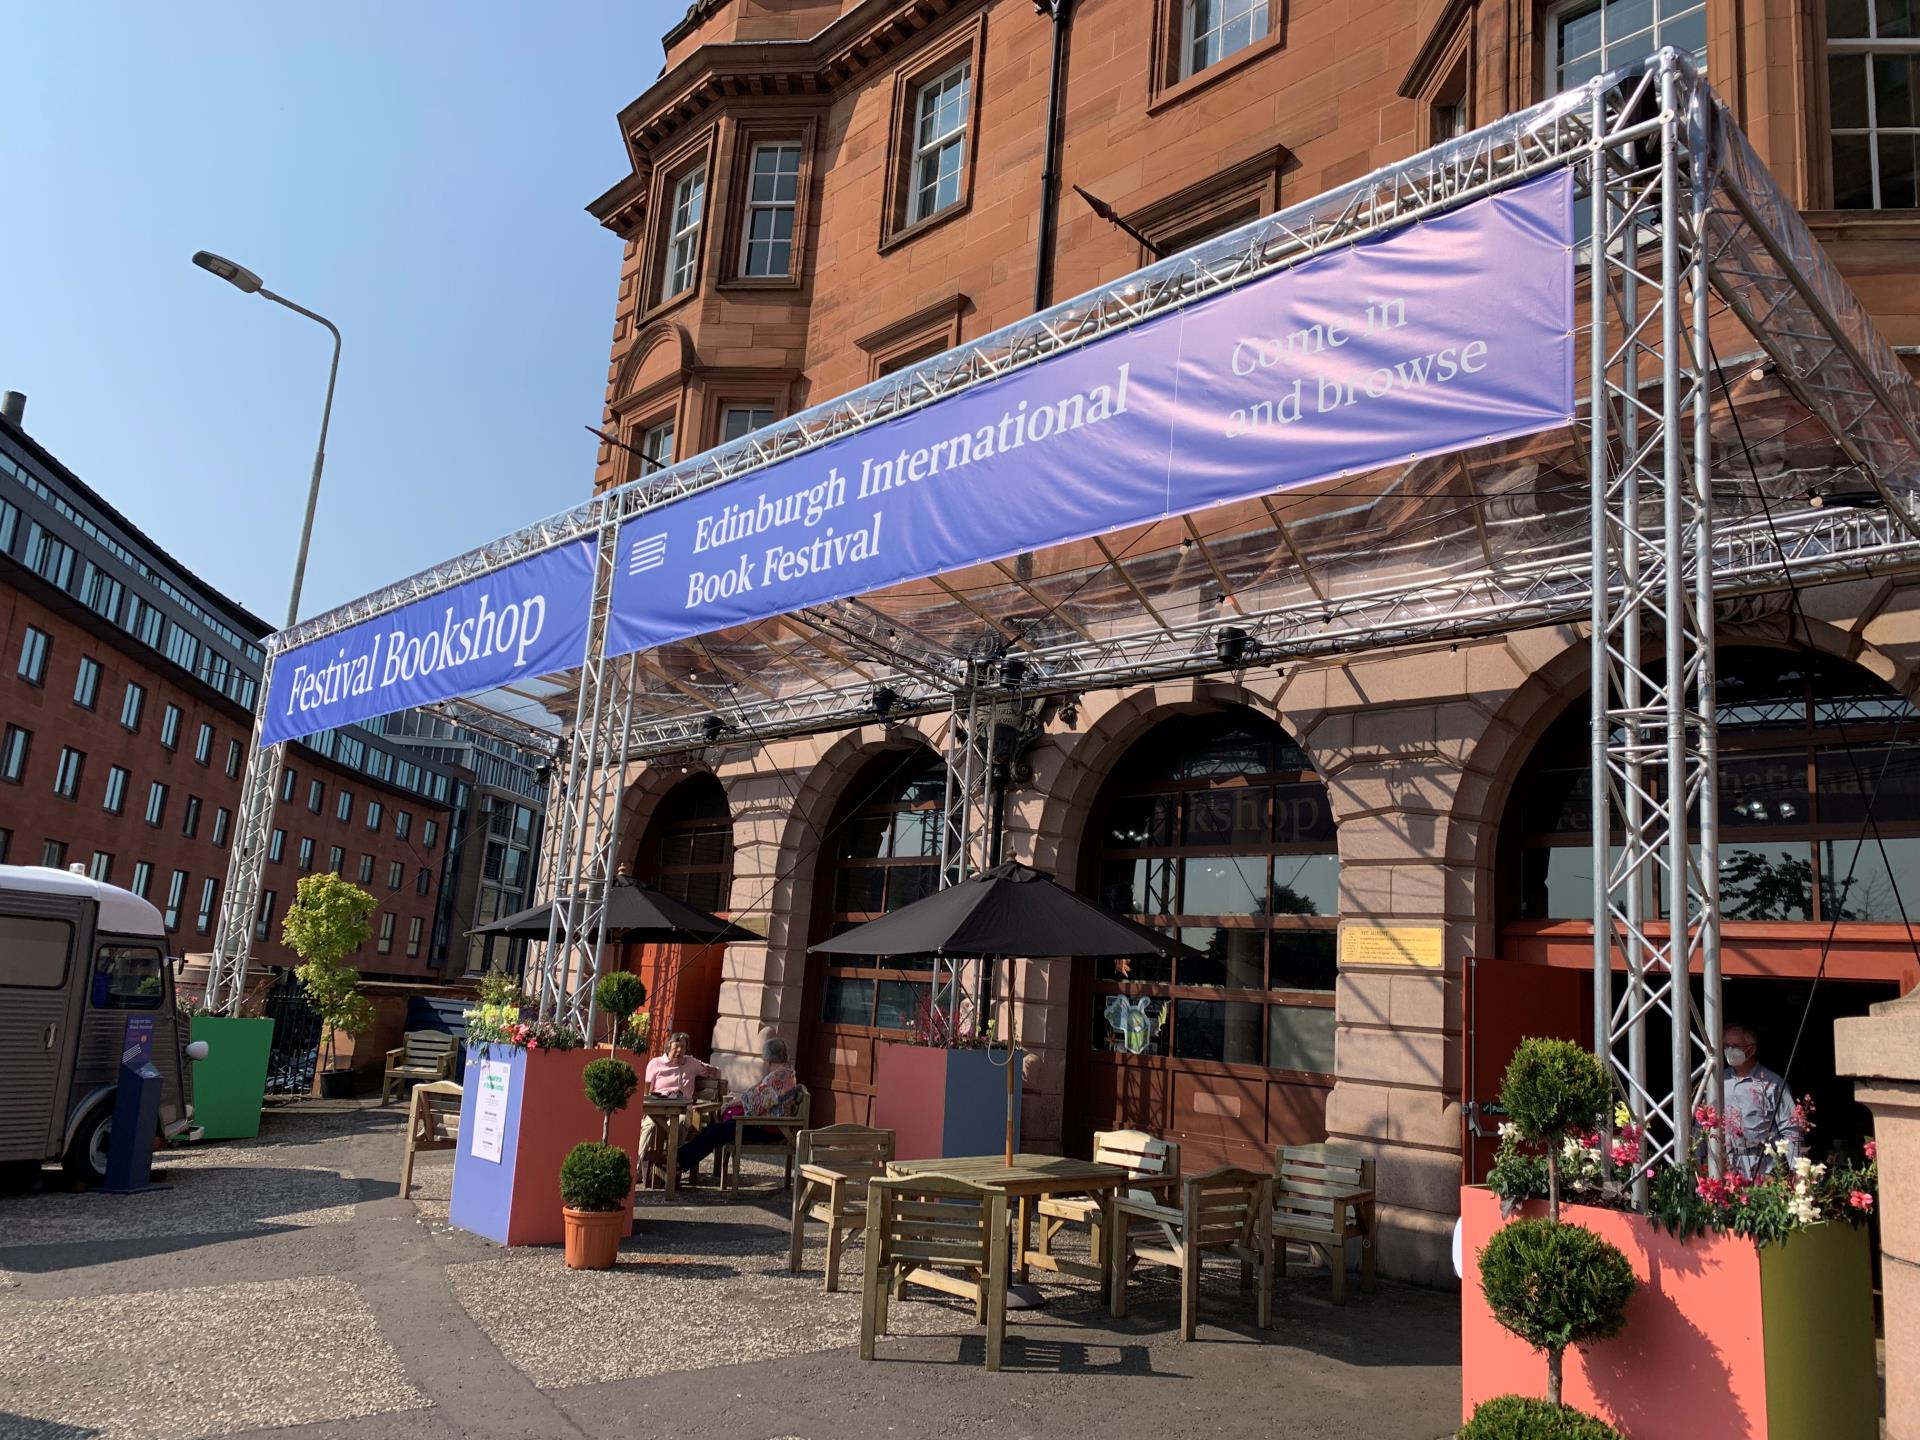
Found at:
(325, 1306)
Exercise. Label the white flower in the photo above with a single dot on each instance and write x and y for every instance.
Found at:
(1818, 1172)
(1509, 1130)
(1802, 1210)
(1803, 1167)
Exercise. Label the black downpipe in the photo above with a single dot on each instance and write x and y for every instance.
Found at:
(1059, 11)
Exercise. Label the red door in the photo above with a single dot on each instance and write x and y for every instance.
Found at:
(1508, 1001)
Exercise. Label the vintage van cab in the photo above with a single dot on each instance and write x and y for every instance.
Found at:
(78, 957)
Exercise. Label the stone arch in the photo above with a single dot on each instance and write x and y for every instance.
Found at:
(647, 789)
(662, 352)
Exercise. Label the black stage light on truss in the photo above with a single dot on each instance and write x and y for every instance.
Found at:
(1234, 646)
(1867, 499)
(713, 728)
(1013, 670)
(883, 699)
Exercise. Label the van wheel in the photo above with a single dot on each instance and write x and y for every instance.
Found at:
(86, 1157)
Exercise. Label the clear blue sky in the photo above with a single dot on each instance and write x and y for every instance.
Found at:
(414, 171)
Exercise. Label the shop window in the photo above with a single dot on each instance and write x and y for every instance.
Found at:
(1873, 67)
(1586, 38)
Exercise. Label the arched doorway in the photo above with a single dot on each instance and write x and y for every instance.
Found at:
(686, 851)
(1215, 828)
(1811, 895)
(880, 851)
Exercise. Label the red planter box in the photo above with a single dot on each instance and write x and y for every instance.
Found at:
(943, 1102)
(1725, 1340)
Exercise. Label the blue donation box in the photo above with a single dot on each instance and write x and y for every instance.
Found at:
(136, 1112)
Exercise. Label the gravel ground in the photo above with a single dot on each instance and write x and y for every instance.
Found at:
(282, 1289)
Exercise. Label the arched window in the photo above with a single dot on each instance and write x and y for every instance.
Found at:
(688, 848)
(1216, 828)
(1805, 740)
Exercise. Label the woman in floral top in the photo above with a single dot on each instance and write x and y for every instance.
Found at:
(774, 1093)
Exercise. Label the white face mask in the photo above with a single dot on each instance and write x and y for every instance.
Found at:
(1736, 1057)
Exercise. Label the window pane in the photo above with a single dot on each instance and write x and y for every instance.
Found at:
(1306, 885)
(1217, 1030)
(1897, 172)
(1229, 958)
(1303, 960)
(916, 833)
(1226, 817)
(848, 1002)
(127, 977)
(1225, 885)
(1136, 970)
(1893, 91)
(1762, 790)
(908, 883)
(901, 1003)
(34, 952)
(859, 890)
(1301, 812)
(1130, 1025)
(1580, 33)
(1847, 18)
(1137, 887)
(1893, 19)
(1889, 774)
(1138, 821)
(1857, 883)
(1852, 172)
(1847, 91)
(1300, 1037)
(1556, 883)
(865, 837)
(1765, 882)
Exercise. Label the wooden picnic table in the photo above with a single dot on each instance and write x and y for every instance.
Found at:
(672, 1114)
(1029, 1179)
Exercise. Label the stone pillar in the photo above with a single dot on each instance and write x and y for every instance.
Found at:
(1882, 1052)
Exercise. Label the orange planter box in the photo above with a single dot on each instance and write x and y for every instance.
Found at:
(1725, 1340)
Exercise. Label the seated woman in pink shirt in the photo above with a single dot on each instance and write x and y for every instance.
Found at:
(673, 1075)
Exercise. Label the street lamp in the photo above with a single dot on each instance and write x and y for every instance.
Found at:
(248, 283)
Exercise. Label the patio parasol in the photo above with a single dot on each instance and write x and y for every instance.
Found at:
(636, 914)
(1010, 910)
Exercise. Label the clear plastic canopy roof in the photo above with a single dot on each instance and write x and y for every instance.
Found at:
(1815, 443)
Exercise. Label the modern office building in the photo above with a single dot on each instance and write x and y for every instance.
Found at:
(821, 193)
(127, 688)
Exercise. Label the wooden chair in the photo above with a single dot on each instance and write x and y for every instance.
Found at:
(1224, 1212)
(835, 1165)
(426, 1055)
(786, 1128)
(1155, 1165)
(433, 1104)
(941, 1233)
(1322, 1198)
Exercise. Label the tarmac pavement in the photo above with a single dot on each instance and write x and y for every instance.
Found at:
(281, 1288)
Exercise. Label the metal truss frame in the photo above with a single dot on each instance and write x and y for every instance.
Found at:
(1678, 207)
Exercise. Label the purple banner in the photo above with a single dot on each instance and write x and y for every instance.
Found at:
(1454, 332)
(526, 620)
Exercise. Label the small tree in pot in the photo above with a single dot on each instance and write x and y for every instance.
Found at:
(1551, 1284)
(596, 1178)
(326, 923)
(617, 996)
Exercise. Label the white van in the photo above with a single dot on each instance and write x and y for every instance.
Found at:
(77, 958)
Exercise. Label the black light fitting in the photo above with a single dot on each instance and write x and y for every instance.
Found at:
(1013, 670)
(713, 728)
(883, 699)
(1234, 646)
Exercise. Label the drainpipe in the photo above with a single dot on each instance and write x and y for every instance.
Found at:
(1059, 12)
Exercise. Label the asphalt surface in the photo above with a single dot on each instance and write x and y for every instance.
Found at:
(281, 1288)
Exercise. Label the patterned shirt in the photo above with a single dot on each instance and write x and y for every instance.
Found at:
(1759, 1110)
(774, 1093)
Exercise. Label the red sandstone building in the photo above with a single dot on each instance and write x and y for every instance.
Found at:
(821, 193)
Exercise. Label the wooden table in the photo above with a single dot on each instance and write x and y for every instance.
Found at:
(1031, 1178)
(672, 1113)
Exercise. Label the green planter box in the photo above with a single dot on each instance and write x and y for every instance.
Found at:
(229, 1084)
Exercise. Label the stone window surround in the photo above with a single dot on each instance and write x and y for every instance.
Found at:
(764, 127)
(1166, 85)
(697, 150)
(1442, 72)
(1229, 197)
(965, 43)
(926, 332)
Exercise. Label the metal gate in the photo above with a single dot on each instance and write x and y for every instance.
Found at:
(296, 1037)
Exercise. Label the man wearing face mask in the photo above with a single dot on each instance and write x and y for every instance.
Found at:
(1759, 1107)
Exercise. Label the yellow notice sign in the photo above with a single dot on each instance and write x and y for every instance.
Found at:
(1365, 943)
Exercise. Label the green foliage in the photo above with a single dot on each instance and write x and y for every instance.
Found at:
(1555, 1285)
(499, 989)
(595, 1176)
(1519, 1417)
(1553, 1087)
(617, 996)
(610, 1084)
(328, 918)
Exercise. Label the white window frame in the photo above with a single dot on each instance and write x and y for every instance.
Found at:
(1864, 48)
(749, 408)
(1192, 37)
(1556, 17)
(927, 151)
(755, 206)
(686, 212)
(656, 445)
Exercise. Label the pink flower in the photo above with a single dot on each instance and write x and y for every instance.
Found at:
(1860, 1200)
(1873, 1150)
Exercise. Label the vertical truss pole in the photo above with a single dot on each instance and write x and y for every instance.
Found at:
(246, 863)
(1653, 726)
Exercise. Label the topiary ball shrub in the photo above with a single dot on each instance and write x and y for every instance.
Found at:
(595, 1176)
(1552, 1087)
(1519, 1417)
(618, 995)
(1555, 1285)
(609, 1084)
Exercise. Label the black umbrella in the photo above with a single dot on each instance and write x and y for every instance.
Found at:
(1010, 910)
(636, 914)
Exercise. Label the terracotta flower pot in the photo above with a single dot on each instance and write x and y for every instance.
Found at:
(593, 1238)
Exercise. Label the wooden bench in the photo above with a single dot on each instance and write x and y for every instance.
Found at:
(1223, 1212)
(1154, 1165)
(786, 1127)
(831, 1189)
(434, 1103)
(426, 1055)
(1323, 1198)
(941, 1233)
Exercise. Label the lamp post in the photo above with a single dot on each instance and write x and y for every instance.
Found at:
(247, 282)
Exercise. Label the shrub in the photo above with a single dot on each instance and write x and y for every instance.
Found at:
(610, 1084)
(595, 1176)
(1555, 1285)
(499, 989)
(1553, 1087)
(1518, 1417)
(618, 995)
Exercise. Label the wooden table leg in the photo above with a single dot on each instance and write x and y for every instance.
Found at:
(1025, 1236)
(673, 1154)
(406, 1154)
